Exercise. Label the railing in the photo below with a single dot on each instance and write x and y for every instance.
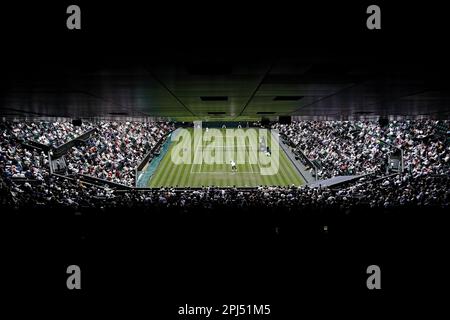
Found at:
(103, 182)
(369, 177)
(137, 190)
(25, 180)
(74, 180)
(30, 144)
(303, 158)
(62, 149)
(149, 156)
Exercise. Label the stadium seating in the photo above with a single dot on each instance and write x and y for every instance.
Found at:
(114, 151)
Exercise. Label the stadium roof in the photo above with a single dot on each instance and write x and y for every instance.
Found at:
(247, 69)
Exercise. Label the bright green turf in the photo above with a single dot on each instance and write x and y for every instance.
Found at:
(169, 174)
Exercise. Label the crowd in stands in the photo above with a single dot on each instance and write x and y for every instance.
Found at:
(359, 147)
(117, 147)
(46, 132)
(16, 161)
(114, 152)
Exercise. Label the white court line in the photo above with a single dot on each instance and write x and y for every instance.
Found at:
(196, 147)
(235, 147)
(225, 171)
(222, 172)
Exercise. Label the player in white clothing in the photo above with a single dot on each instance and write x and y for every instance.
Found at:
(233, 166)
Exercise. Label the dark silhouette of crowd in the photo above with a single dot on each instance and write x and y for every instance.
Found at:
(395, 191)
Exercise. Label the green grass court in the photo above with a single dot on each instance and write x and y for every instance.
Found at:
(169, 174)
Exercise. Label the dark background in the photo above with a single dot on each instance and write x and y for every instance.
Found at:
(149, 25)
(129, 55)
(149, 261)
(153, 261)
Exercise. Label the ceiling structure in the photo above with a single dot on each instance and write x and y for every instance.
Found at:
(233, 88)
(314, 63)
